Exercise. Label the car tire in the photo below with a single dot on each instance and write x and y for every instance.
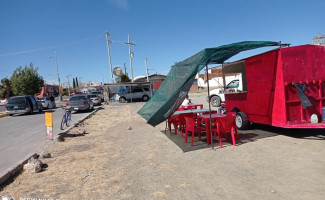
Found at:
(30, 110)
(215, 101)
(40, 109)
(145, 98)
(11, 115)
(122, 100)
(242, 121)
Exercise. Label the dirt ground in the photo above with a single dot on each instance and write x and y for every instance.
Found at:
(122, 157)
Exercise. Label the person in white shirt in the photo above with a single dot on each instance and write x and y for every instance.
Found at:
(186, 101)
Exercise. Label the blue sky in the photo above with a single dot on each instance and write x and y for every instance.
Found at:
(164, 31)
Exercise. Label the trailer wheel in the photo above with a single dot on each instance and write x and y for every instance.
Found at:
(242, 122)
(215, 101)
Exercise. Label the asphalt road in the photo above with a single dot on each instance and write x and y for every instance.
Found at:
(22, 135)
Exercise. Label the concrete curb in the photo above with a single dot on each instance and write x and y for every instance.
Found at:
(18, 167)
(3, 114)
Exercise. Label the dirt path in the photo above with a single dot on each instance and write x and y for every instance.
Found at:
(113, 162)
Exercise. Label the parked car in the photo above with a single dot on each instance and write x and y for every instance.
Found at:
(22, 105)
(46, 102)
(77, 94)
(136, 93)
(95, 99)
(79, 103)
(98, 93)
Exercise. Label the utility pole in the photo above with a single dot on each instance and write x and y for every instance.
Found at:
(109, 55)
(57, 72)
(79, 83)
(124, 69)
(131, 55)
(146, 61)
(68, 84)
(147, 69)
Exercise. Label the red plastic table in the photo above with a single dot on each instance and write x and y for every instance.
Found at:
(206, 119)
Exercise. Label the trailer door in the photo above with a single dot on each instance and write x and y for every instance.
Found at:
(260, 73)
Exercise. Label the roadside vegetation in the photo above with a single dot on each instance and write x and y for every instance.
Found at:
(23, 81)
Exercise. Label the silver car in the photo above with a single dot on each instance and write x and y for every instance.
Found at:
(80, 103)
(46, 102)
(95, 99)
(99, 94)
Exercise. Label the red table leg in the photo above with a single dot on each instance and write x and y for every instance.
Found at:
(208, 130)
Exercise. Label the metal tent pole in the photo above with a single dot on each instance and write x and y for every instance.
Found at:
(211, 132)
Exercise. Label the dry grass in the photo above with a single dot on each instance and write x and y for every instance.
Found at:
(79, 166)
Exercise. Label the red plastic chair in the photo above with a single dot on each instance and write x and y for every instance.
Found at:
(191, 126)
(182, 122)
(224, 125)
(175, 121)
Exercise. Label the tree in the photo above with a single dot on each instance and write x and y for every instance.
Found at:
(74, 83)
(2, 92)
(125, 78)
(5, 88)
(77, 83)
(26, 81)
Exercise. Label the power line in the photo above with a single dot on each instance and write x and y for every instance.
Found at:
(46, 48)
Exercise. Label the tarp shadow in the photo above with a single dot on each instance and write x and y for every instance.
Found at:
(310, 134)
(179, 141)
(245, 137)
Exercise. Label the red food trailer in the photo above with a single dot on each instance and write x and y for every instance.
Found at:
(282, 87)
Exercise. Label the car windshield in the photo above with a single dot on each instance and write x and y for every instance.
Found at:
(16, 100)
(92, 96)
(76, 98)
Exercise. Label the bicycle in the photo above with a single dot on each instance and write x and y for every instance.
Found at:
(66, 119)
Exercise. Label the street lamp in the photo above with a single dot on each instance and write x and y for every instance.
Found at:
(57, 72)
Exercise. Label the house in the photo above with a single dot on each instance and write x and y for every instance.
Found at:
(48, 90)
(215, 78)
(155, 79)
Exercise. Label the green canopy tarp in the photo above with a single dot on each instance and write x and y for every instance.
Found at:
(179, 80)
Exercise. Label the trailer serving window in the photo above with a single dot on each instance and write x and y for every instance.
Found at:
(239, 84)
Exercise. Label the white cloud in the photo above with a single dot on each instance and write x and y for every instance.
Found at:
(122, 4)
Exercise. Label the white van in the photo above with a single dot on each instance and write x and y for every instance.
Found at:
(217, 96)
